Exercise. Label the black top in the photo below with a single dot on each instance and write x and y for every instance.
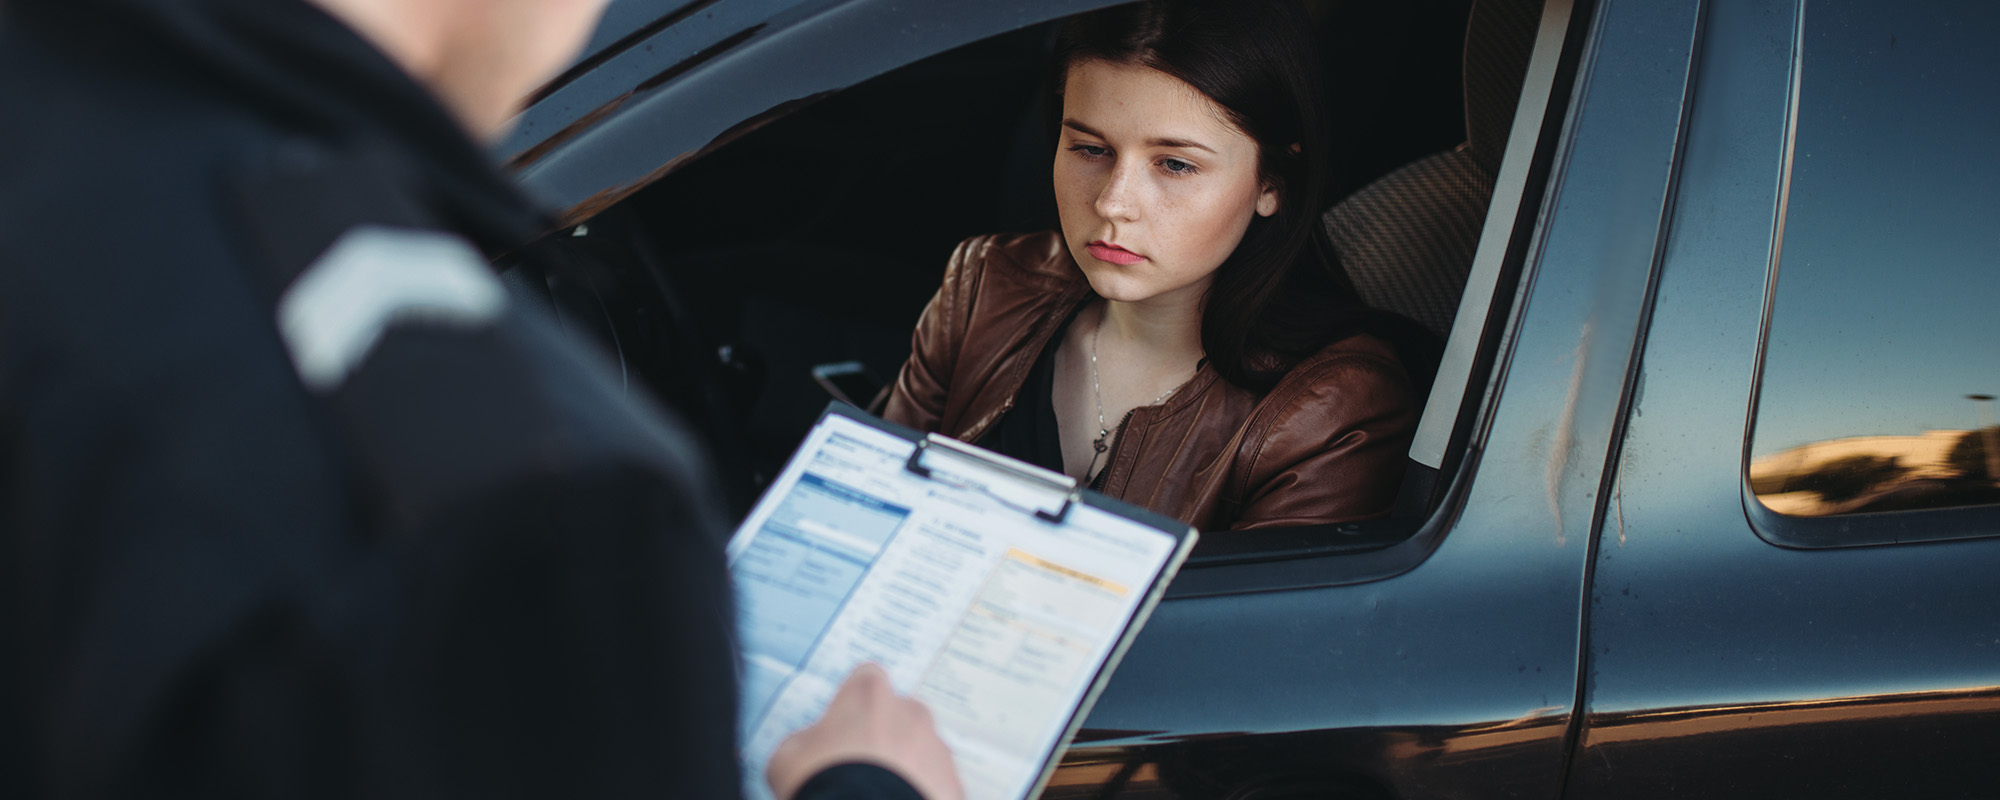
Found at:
(472, 566)
(1030, 431)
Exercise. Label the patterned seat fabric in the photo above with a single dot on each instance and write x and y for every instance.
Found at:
(1407, 240)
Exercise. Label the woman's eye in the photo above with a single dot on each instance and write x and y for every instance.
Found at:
(1089, 150)
(1175, 166)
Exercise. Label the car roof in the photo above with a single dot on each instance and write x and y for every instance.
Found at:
(653, 95)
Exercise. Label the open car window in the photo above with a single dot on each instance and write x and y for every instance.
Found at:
(811, 231)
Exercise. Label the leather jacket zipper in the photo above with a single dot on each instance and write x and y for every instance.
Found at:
(977, 432)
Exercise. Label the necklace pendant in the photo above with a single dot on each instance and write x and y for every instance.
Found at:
(1098, 443)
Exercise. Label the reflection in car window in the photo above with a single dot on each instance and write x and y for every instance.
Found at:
(1881, 365)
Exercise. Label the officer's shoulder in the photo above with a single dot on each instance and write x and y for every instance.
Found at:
(292, 197)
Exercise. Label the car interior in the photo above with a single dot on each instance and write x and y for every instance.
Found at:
(748, 287)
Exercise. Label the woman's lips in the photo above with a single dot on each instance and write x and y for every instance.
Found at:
(1113, 253)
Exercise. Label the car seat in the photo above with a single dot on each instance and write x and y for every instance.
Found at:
(1407, 239)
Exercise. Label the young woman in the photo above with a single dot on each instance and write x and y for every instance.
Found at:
(1184, 342)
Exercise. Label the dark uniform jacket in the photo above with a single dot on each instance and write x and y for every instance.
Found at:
(294, 500)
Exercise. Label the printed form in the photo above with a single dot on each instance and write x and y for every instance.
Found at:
(994, 618)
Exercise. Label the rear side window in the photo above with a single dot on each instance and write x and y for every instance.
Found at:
(1881, 361)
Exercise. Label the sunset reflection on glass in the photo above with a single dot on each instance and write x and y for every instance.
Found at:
(1880, 366)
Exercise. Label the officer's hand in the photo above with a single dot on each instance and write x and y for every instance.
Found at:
(868, 722)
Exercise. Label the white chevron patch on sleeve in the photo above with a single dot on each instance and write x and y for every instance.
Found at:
(374, 277)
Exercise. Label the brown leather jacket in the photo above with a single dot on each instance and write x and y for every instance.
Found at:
(1327, 444)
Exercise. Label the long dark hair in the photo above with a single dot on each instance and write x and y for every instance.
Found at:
(1278, 297)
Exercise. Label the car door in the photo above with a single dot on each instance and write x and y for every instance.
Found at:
(1795, 592)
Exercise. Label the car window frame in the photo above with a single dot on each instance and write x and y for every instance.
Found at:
(569, 170)
(591, 143)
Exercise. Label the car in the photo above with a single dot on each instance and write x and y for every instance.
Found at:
(1703, 501)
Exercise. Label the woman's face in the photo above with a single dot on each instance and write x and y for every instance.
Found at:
(1154, 186)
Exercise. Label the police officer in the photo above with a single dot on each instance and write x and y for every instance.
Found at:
(294, 501)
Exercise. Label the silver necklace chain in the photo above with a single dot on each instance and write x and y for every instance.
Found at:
(1099, 445)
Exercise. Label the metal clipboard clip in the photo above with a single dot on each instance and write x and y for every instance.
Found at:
(1040, 478)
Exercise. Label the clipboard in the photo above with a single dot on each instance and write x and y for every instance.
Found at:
(1000, 593)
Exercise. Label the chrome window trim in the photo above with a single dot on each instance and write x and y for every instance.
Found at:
(1434, 431)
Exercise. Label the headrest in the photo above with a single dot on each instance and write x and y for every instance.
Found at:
(1498, 41)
